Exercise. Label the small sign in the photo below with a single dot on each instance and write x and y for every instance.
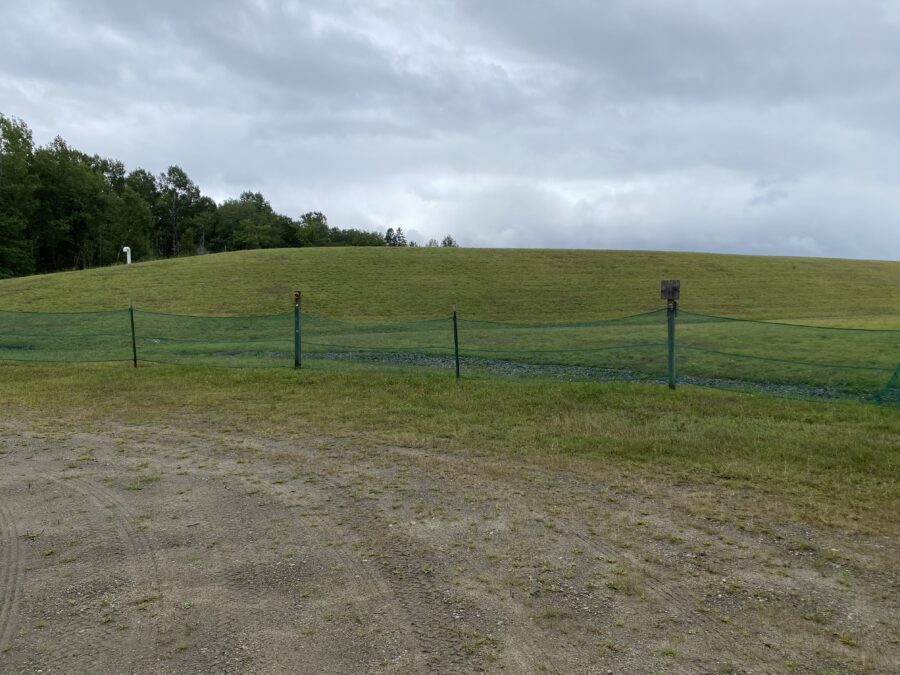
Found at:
(670, 289)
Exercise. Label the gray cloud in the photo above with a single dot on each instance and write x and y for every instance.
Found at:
(757, 127)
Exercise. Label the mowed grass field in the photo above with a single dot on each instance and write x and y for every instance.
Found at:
(825, 462)
(501, 285)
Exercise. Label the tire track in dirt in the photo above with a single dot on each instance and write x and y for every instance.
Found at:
(139, 543)
(319, 519)
(524, 651)
(427, 608)
(674, 605)
(434, 609)
(10, 576)
(138, 550)
(223, 622)
(424, 603)
(425, 600)
(417, 599)
(678, 605)
(683, 607)
(417, 591)
(322, 506)
(252, 497)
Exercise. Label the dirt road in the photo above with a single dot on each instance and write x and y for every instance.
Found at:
(139, 549)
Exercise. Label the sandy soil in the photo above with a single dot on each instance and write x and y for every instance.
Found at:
(138, 549)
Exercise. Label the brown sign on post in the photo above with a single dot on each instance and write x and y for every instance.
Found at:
(669, 289)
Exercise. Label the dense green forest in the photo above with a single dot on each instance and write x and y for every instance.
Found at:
(63, 209)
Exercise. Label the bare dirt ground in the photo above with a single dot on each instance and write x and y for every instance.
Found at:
(138, 549)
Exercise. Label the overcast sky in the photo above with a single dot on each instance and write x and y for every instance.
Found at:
(744, 126)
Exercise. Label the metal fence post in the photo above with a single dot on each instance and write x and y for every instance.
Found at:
(133, 338)
(670, 291)
(297, 329)
(456, 341)
(671, 313)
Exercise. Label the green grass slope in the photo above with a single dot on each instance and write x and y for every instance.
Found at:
(499, 284)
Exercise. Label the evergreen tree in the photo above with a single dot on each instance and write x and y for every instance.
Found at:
(70, 227)
(17, 197)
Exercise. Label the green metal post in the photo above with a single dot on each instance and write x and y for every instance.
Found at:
(671, 313)
(133, 338)
(456, 341)
(296, 329)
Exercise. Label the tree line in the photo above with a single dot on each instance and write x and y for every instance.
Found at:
(61, 209)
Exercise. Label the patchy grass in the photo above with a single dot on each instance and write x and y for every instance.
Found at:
(143, 481)
(828, 463)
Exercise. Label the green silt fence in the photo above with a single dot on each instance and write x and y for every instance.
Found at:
(782, 359)
(890, 393)
(835, 362)
(630, 348)
(265, 341)
(71, 337)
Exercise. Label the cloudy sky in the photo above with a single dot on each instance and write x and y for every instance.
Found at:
(746, 126)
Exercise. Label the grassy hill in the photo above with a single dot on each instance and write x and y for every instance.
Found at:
(548, 285)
